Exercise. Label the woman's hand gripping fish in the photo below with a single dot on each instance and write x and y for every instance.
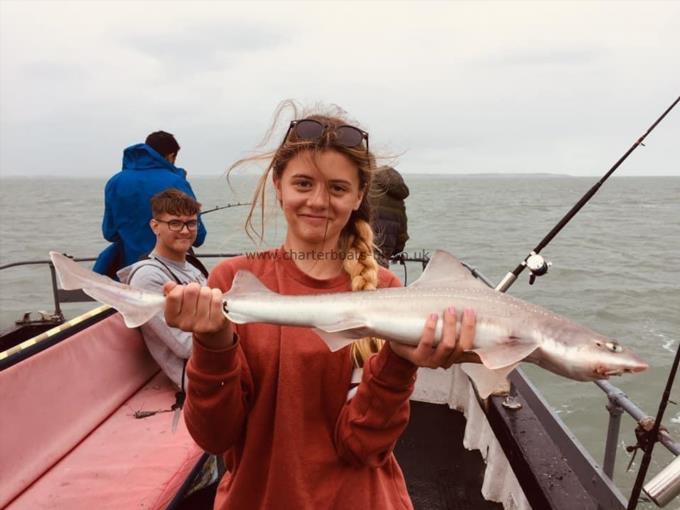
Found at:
(508, 329)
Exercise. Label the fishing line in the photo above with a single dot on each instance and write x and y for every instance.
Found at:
(536, 263)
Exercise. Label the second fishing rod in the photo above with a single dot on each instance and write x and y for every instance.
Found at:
(668, 485)
(227, 206)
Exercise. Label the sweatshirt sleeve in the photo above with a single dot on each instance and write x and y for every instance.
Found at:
(217, 401)
(370, 423)
(219, 390)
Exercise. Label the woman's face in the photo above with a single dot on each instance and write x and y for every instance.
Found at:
(318, 193)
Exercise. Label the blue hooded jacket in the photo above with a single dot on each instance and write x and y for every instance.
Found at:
(128, 208)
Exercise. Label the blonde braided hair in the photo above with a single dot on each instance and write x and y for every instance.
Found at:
(362, 268)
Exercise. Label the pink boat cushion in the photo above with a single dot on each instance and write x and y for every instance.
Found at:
(54, 399)
(125, 463)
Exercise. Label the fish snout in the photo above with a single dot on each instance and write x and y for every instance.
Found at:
(634, 364)
(631, 366)
(639, 366)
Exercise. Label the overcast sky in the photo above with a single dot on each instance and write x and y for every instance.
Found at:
(452, 87)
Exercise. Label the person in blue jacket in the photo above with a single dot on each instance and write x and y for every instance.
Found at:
(148, 168)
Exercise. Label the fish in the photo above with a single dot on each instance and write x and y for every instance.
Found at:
(509, 330)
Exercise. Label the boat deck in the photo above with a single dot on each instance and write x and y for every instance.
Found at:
(440, 473)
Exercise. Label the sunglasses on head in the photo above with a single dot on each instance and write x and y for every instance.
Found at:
(309, 129)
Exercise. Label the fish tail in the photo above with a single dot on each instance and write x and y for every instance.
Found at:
(135, 305)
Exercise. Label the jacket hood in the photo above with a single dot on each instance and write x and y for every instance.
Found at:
(142, 157)
(390, 182)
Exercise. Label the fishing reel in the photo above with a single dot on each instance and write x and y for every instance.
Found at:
(537, 265)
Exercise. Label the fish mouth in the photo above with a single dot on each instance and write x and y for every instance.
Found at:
(599, 374)
(605, 373)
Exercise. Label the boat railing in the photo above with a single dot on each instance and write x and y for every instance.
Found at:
(618, 401)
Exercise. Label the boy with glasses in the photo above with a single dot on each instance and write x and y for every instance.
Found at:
(175, 225)
(148, 168)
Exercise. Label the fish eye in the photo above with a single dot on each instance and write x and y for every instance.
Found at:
(598, 343)
(614, 347)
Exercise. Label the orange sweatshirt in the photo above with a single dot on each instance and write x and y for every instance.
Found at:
(276, 405)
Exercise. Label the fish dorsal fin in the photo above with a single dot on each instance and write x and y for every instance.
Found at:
(444, 270)
(246, 282)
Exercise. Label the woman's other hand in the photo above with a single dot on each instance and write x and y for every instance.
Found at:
(198, 310)
(452, 347)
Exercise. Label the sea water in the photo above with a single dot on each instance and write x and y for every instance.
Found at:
(615, 267)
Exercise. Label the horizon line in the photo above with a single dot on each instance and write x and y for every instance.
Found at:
(438, 174)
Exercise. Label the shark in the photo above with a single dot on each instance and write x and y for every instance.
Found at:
(509, 330)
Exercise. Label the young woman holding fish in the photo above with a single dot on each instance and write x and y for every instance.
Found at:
(274, 399)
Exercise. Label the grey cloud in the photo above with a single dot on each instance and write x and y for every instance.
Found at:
(545, 56)
(202, 47)
(45, 69)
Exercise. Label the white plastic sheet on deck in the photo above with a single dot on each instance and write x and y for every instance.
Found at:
(453, 387)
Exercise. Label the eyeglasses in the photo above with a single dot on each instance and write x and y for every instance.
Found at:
(310, 129)
(178, 226)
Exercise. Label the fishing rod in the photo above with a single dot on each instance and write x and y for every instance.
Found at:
(666, 488)
(219, 208)
(536, 263)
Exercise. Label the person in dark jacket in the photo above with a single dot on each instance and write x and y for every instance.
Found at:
(389, 213)
(148, 168)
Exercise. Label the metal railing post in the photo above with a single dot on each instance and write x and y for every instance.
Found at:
(621, 399)
(615, 412)
(55, 293)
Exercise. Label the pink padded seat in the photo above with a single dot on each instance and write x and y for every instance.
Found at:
(69, 439)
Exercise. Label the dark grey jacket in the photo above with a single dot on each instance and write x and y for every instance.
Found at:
(389, 219)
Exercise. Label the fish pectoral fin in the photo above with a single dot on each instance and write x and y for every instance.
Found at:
(505, 354)
(340, 325)
(489, 382)
(336, 340)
